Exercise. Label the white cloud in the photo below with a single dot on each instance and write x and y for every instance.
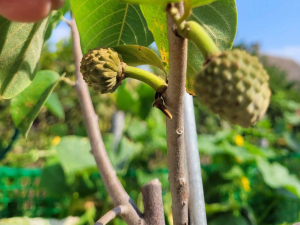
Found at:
(291, 52)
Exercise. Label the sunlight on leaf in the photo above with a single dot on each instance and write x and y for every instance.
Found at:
(157, 23)
(110, 23)
(68, 150)
(136, 55)
(20, 49)
(54, 105)
(276, 176)
(150, 1)
(26, 106)
(197, 3)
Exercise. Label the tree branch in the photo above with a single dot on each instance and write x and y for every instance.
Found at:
(110, 215)
(174, 99)
(66, 21)
(153, 204)
(108, 174)
(68, 81)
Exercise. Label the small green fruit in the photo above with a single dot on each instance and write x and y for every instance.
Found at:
(235, 86)
(102, 69)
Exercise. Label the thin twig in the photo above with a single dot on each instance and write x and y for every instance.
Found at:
(68, 81)
(175, 128)
(110, 215)
(108, 174)
(66, 21)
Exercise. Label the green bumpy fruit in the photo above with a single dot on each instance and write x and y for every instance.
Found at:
(235, 86)
(101, 69)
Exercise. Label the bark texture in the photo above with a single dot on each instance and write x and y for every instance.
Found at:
(174, 99)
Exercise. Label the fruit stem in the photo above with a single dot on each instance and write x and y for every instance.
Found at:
(194, 32)
(186, 14)
(158, 84)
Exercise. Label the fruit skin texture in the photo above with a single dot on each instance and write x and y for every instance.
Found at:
(101, 69)
(235, 86)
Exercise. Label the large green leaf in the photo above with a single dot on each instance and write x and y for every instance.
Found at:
(53, 179)
(136, 55)
(110, 23)
(219, 19)
(150, 1)
(157, 23)
(126, 100)
(75, 154)
(277, 176)
(196, 3)
(20, 49)
(126, 151)
(291, 141)
(54, 105)
(26, 106)
(193, 3)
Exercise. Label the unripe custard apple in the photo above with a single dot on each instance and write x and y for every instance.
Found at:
(235, 86)
(101, 68)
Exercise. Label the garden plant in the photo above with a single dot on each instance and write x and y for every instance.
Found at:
(192, 56)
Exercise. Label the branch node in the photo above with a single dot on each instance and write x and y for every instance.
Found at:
(179, 131)
(66, 21)
(158, 103)
(181, 181)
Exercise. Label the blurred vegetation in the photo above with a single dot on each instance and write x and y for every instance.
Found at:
(251, 176)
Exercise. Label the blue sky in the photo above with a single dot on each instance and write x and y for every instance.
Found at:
(274, 24)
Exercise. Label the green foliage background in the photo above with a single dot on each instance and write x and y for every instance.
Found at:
(61, 149)
(251, 176)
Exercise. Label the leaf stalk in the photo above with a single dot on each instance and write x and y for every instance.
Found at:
(155, 82)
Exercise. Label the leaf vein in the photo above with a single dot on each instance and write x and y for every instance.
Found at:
(132, 32)
(226, 22)
(100, 21)
(101, 33)
(107, 37)
(144, 26)
(75, 10)
(126, 10)
(82, 21)
(111, 43)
